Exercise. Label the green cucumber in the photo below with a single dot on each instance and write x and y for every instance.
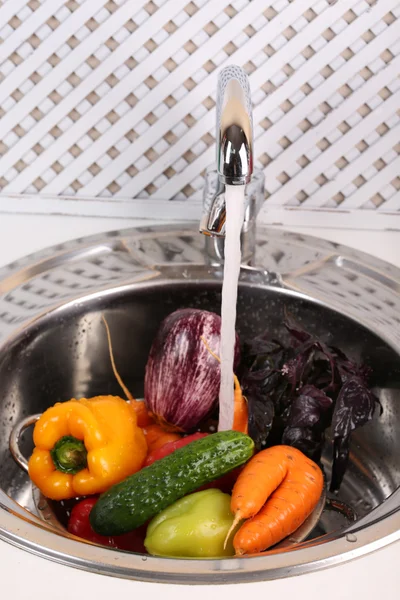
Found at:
(129, 504)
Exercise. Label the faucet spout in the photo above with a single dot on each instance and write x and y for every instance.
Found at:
(234, 159)
(234, 139)
(234, 127)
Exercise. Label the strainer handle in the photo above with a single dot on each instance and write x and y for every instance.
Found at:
(15, 437)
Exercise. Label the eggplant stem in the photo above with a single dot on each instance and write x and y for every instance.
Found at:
(235, 379)
(209, 349)
(114, 368)
(165, 425)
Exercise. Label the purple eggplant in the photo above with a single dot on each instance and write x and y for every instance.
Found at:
(182, 378)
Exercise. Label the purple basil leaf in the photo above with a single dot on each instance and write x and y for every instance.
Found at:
(261, 345)
(323, 348)
(341, 451)
(289, 370)
(304, 412)
(354, 407)
(341, 356)
(297, 391)
(306, 366)
(307, 409)
(305, 440)
(320, 375)
(346, 367)
(261, 416)
(295, 330)
(267, 392)
(309, 343)
(312, 391)
(295, 368)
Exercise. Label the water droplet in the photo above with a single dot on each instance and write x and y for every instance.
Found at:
(41, 506)
(350, 537)
(144, 558)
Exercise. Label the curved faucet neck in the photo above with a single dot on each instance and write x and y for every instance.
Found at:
(234, 165)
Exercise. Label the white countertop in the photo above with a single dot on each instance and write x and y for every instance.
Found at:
(25, 575)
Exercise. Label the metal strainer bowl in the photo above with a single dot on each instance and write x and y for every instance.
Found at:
(53, 347)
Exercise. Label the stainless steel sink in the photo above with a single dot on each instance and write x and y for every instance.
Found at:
(53, 347)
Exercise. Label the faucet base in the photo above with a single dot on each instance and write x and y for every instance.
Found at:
(214, 245)
(212, 223)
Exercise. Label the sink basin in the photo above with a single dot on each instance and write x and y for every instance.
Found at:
(53, 347)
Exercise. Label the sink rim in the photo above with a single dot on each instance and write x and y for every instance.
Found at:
(31, 534)
(26, 531)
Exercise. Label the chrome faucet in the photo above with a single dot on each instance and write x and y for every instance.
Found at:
(234, 127)
(234, 158)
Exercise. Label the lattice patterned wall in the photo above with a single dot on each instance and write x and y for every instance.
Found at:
(116, 99)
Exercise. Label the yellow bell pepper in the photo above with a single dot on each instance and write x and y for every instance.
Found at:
(83, 447)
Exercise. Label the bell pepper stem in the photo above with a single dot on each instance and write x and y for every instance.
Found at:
(69, 455)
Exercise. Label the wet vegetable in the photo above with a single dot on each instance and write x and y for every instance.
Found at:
(79, 525)
(276, 491)
(355, 406)
(143, 417)
(139, 498)
(295, 391)
(82, 447)
(224, 483)
(182, 378)
(194, 526)
(69, 455)
(157, 437)
(170, 447)
(240, 412)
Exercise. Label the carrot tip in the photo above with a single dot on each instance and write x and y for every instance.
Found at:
(232, 527)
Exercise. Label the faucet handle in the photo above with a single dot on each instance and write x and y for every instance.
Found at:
(213, 218)
(214, 209)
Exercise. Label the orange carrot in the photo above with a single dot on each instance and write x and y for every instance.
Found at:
(156, 436)
(276, 491)
(240, 410)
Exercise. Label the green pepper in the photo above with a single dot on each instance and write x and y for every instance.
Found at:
(193, 527)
